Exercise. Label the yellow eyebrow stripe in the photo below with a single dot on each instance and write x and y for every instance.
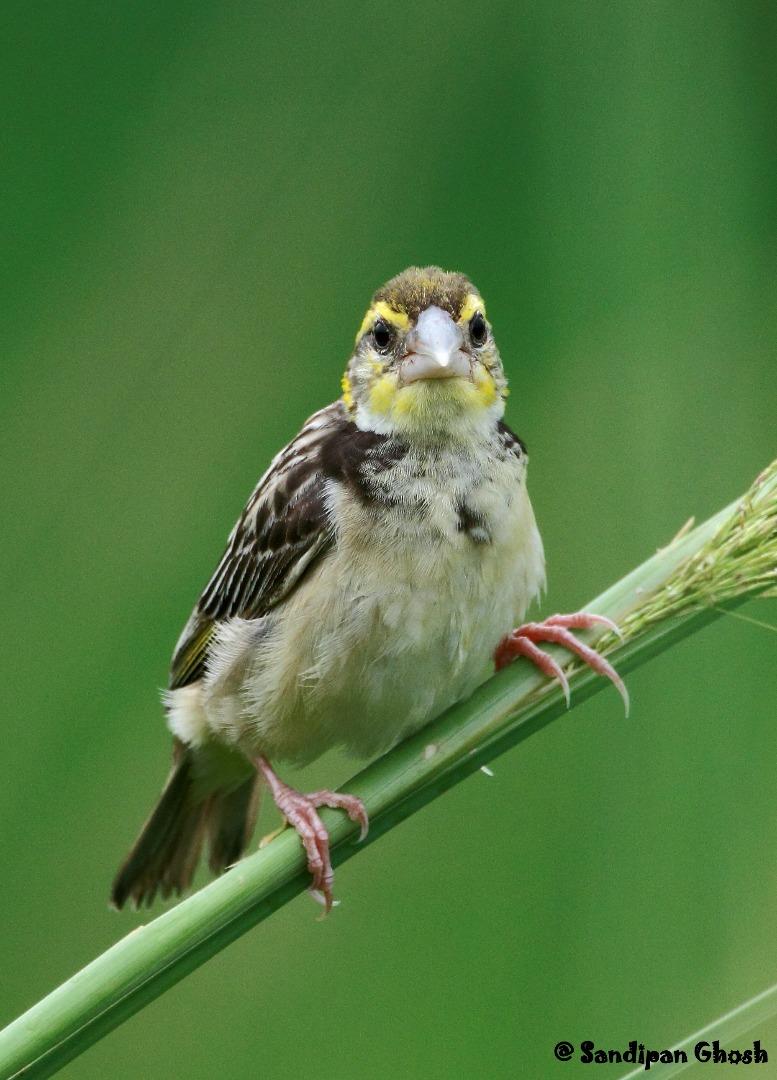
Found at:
(384, 311)
(472, 303)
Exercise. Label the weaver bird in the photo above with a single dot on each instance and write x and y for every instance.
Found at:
(366, 586)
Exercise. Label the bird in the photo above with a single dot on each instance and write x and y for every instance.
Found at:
(379, 572)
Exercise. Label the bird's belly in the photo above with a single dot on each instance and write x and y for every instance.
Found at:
(412, 648)
(369, 649)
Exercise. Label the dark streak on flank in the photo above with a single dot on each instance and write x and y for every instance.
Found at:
(511, 441)
(352, 457)
(473, 524)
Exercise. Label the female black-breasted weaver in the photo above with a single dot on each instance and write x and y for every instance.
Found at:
(369, 583)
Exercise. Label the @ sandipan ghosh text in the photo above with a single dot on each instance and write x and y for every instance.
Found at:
(637, 1053)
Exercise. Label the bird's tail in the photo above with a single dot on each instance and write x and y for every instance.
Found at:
(209, 794)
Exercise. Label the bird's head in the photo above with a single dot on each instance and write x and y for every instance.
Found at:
(425, 361)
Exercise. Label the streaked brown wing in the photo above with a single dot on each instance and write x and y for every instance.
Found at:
(284, 528)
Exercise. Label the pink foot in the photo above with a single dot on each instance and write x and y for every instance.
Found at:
(557, 629)
(300, 812)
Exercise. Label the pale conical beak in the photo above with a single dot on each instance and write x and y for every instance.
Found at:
(435, 349)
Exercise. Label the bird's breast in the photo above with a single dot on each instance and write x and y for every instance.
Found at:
(401, 618)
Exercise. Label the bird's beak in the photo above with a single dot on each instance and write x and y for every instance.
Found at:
(435, 349)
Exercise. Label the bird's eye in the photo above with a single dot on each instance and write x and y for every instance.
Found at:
(478, 329)
(381, 333)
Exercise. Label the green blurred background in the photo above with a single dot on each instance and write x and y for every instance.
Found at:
(199, 200)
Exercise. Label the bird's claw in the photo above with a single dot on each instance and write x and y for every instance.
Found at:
(557, 630)
(353, 807)
(301, 812)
